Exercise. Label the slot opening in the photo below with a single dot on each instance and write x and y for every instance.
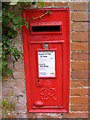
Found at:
(46, 28)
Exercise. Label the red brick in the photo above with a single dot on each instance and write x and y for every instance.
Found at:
(6, 78)
(89, 81)
(80, 74)
(80, 36)
(60, 3)
(79, 26)
(89, 27)
(47, 4)
(79, 46)
(79, 6)
(11, 116)
(79, 100)
(75, 115)
(79, 83)
(78, 107)
(19, 31)
(80, 55)
(79, 65)
(83, 16)
(79, 92)
(30, 115)
(89, 109)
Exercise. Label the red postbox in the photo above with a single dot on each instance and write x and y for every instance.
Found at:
(47, 58)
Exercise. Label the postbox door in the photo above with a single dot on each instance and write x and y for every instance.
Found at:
(46, 86)
(47, 60)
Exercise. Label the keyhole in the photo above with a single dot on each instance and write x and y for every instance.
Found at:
(38, 80)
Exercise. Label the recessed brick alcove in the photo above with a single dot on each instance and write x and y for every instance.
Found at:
(13, 87)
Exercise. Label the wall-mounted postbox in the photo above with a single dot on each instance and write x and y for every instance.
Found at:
(46, 57)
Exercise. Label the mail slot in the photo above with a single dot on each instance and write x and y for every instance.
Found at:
(47, 58)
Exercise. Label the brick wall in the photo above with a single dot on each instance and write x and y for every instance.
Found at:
(79, 68)
(79, 60)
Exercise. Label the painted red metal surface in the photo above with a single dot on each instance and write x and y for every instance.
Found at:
(47, 94)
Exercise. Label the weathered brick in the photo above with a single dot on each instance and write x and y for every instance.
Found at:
(21, 100)
(19, 83)
(80, 36)
(19, 66)
(89, 82)
(48, 115)
(79, 65)
(19, 91)
(79, 26)
(75, 115)
(47, 4)
(22, 115)
(6, 91)
(19, 31)
(18, 39)
(60, 3)
(20, 108)
(18, 75)
(9, 82)
(79, 83)
(79, 6)
(79, 100)
(80, 55)
(79, 92)
(30, 115)
(11, 115)
(5, 77)
(89, 97)
(79, 16)
(79, 46)
(89, 24)
(80, 107)
(79, 74)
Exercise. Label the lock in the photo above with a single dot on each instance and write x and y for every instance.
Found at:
(39, 82)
